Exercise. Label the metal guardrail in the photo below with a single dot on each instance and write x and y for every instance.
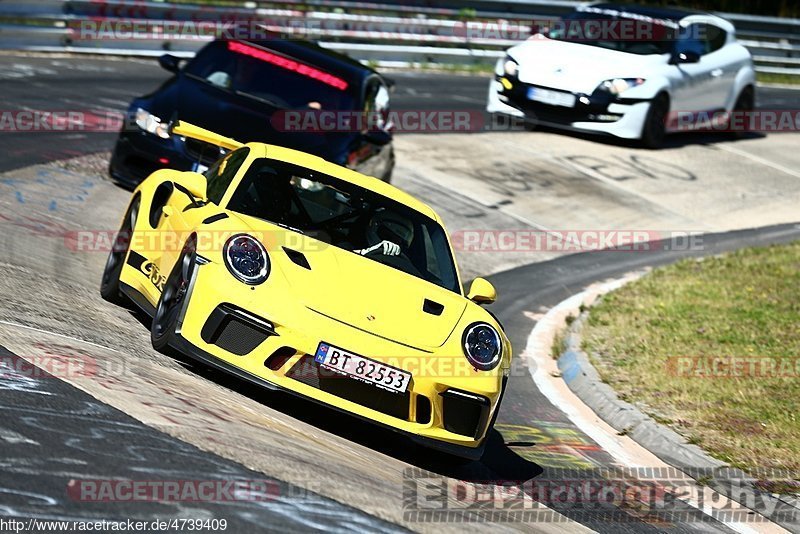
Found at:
(366, 31)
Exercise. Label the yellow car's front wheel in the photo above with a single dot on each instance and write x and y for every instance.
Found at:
(165, 320)
(109, 285)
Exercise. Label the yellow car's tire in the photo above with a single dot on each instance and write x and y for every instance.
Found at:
(165, 320)
(109, 284)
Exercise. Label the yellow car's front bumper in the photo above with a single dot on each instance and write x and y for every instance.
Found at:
(266, 337)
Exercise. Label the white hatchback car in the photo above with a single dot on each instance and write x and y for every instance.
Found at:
(628, 71)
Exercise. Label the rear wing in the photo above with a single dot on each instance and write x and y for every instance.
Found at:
(195, 132)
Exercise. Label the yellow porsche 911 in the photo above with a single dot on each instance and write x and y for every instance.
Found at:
(297, 274)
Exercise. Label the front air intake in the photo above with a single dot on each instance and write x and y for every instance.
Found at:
(235, 330)
(464, 413)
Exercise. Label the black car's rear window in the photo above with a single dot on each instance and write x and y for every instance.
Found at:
(266, 75)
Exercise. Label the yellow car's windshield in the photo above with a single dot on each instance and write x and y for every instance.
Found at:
(347, 216)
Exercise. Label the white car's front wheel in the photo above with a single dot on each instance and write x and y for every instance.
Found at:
(745, 104)
(655, 124)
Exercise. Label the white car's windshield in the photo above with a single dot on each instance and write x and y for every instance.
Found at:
(624, 34)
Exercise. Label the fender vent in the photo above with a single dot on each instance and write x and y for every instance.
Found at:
(298, 258)
(215, 218)
(434, 308)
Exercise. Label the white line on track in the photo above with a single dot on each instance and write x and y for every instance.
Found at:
(50, 333)
(759, 159)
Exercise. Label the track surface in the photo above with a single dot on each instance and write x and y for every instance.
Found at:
(47, 84)
(55, 435)
(533, 438)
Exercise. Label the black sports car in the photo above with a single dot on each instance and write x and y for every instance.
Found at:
(273, 91)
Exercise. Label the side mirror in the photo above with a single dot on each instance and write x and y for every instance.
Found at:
(482, 292)
(688, 56)
(378, 137)
(196, 184)
(169, 62)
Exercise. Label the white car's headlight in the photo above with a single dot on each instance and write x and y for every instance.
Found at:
(247, 259)
(620, 85)
(510, 67)
(151, 124)
(482, 346)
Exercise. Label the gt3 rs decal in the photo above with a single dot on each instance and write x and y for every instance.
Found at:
(156, 278)
(148, 268)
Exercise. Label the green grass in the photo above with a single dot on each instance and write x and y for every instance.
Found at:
(787, 79)
(743, 304)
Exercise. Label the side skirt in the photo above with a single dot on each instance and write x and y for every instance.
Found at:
(138, 299)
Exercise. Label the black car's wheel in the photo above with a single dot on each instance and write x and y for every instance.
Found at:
(165, 321)
(745, 103)
(655, 125)
(109, 285)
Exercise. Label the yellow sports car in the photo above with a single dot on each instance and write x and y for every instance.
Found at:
(297, 274)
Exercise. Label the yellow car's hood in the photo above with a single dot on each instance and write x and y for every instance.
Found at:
(375, 298)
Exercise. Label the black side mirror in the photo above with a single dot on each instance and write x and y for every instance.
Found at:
(169, 62)
(688, 56)
(378, 137)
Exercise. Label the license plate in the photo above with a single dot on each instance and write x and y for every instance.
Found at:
(363, 369)
(199, 167)
(554, 98)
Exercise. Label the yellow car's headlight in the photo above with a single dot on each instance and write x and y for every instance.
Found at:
(482, 346)
(247, 259)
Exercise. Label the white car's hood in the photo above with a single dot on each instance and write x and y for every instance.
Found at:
(575, 67)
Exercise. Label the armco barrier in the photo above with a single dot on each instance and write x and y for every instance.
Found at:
(365, 30)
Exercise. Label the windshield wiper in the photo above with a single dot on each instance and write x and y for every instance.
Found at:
(287, 227)
(260, 99)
